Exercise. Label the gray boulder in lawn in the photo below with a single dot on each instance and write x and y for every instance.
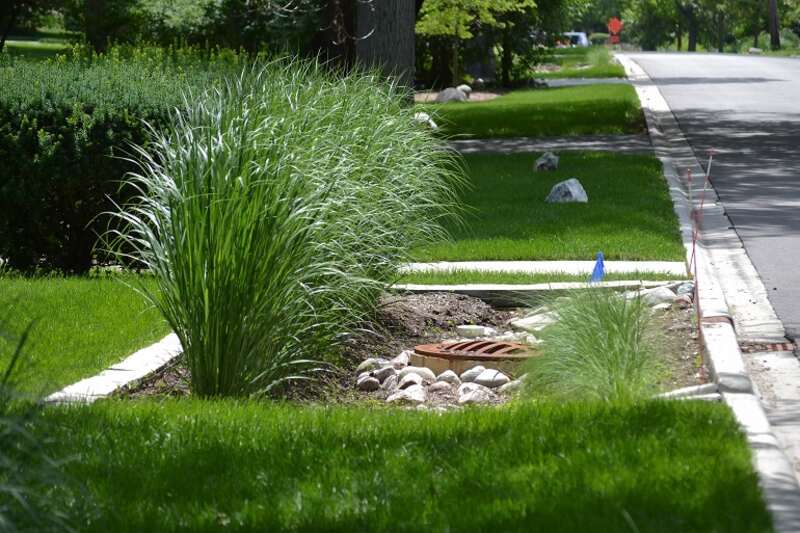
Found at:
(547, 161)
(451, 94)
(567, 191)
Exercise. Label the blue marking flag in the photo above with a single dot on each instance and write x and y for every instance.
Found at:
(599, 269)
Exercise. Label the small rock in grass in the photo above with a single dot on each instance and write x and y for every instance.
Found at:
(492, 378)
(658, 295)
(450, 377)
(682, 301)
(425, 373)
(414, 394)
(567, 191)
(368, 383)
(469, 375)
(472, 393)
(451, 94)
(754, 51)
(390, 384)
(371, 363)
(401, 361)
(512, 387)
(548, 161)
(441, 386)
(382, 373)
(464, 88)
(409, 380)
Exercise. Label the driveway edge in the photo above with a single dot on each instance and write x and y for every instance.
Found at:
(776, 475)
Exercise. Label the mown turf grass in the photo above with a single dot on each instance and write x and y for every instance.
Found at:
(600, 71)
(629, 215)
(204, 466)
(579, 62)
(585, 110)
(458, 277)
(81, 326)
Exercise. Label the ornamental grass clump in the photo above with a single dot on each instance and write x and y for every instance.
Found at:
(273, 211)
(603, 347)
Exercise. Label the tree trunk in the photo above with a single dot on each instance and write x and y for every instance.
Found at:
(442, 70)
(721, 33)
(692, 47)
(12, 16)
(680, 36)
(756, 33)
(385, 37)
(774, 27)
(507, 59)
(95, 19)
(335, 41)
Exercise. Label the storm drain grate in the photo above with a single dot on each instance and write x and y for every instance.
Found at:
(475, 350)
(753, 347)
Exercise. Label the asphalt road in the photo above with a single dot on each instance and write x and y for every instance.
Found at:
(748, 109)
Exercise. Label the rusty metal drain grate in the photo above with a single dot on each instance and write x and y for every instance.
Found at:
(754, 347)
(475, 350)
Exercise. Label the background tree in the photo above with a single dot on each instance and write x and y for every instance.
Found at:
(774, 25)
(447, 25)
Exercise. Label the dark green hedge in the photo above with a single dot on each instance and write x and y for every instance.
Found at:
(65, 130)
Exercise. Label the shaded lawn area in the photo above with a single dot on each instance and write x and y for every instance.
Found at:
(629, 215)
(34, 49)
(194, 465)
(82, 325)
(458, 277)
(584, 110)
(40, 44)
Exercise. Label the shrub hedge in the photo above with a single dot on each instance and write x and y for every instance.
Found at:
(65, 129)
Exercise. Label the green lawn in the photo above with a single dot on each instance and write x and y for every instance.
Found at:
(629, 214)
(32, 49)
(458, 277)
(603, 71)
(584, 110)
(593, 62)
(204, 466)
(82, 325)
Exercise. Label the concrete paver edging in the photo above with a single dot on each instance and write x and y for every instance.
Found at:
(136, 366)
(776, 474)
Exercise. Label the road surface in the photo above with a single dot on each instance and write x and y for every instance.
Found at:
(748, 109)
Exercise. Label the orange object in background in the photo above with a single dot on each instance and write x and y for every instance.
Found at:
(614, 26)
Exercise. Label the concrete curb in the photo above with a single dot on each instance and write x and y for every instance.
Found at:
(775, 472)
(515, 295)
(677, 268)
(135, 366)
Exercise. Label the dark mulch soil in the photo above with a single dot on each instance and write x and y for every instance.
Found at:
(682, 351)
(404, 321)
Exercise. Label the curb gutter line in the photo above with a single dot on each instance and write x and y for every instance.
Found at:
(775, 472)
